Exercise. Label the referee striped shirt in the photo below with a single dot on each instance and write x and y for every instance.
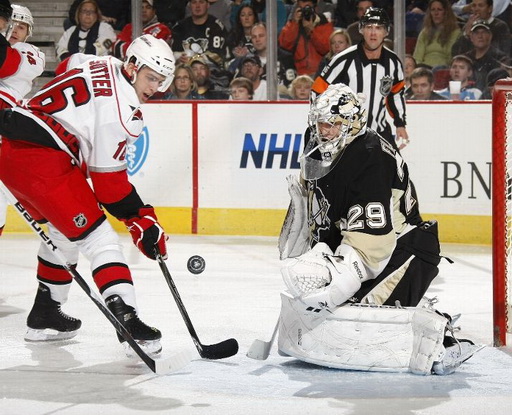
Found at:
(380, 80)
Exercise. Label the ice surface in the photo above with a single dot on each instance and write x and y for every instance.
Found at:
(236, 296)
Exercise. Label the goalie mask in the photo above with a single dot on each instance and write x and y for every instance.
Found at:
(335, 119)
(147, 50)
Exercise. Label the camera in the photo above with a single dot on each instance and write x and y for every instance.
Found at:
(308, 12)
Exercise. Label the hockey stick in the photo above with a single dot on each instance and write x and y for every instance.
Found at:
(220, 350)
(158, 366)
(260, 349)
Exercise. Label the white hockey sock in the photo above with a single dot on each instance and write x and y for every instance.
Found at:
(123, 290)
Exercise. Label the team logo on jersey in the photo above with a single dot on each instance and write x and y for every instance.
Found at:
(137, 152)
(136, 114)
(318, 219)
(80, 220)
(386, 83)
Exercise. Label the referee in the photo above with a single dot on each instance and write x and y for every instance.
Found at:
(375, 72)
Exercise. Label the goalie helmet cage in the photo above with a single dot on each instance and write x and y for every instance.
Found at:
(502, 208)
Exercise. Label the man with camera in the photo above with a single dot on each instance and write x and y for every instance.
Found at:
(306, 37)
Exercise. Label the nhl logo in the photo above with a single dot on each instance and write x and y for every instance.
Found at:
(137, 152)
(386, 83)
(80, 220)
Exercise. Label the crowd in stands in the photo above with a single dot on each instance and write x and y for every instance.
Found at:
(220, 45)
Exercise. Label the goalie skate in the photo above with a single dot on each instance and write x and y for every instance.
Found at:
(47, 322)
(148, 338)
(457, 352)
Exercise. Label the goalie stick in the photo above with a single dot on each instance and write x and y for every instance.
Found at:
(260, 349)
(220, 350)
(158, 366)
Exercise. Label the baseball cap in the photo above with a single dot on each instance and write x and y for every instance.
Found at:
(150, 2)
(198, 59)
(251, 58)
(480, 23)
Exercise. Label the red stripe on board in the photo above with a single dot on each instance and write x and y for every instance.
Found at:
(195, 167)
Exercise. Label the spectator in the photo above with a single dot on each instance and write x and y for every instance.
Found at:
(90, 36)
(201, 67)
(482, 10)
(220, 9)
(409, 66)
(115, 12)
(198, 33)
(183, 85)
(170, 12)
(485, 57)
(239, 38)
(492, 77)
(345, 13)
(241, 89)
(306, 37)
(464, 9)
(339, 40)
(300, 88)
(260, 6)
(439, 33)
(252, 69)
(422, 86)
(150, 26)
(461, 70)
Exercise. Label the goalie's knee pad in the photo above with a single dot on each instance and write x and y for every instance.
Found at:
(363, 337)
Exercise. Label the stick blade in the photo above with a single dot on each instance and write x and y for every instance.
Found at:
(176, 362)
(221, 350)
(259, 350)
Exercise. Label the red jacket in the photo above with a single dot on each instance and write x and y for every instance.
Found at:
(310, 50)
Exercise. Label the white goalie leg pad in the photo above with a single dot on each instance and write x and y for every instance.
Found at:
(362, 337)
(293, 239)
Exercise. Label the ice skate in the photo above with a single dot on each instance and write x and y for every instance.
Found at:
(47, 322)
(147, 337)
(457, 351)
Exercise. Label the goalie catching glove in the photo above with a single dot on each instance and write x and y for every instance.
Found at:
(321, 279)
(146, 232)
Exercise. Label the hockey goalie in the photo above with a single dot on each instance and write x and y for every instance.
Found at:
(357, 257)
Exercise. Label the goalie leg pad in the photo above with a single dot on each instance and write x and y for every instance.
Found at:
(362, 337)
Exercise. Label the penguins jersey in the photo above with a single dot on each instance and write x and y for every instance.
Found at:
(364, 201)
(30, 65)
(91, 111)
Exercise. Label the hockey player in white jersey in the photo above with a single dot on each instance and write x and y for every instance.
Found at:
(76, 127)
(24, 63)
(359, 258)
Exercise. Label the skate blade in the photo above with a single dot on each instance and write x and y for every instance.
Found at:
(48, 335)
(151, 348)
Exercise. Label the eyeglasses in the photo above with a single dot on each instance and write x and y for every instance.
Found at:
(88, 12)
(182, 78)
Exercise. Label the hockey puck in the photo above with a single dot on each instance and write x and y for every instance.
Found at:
(196, 264)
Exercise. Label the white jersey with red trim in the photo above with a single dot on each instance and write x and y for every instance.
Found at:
(96, 103)
(14, 87)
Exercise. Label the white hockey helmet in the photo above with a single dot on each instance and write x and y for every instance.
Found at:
(155, 54)
(22, 14)
(336, 117)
